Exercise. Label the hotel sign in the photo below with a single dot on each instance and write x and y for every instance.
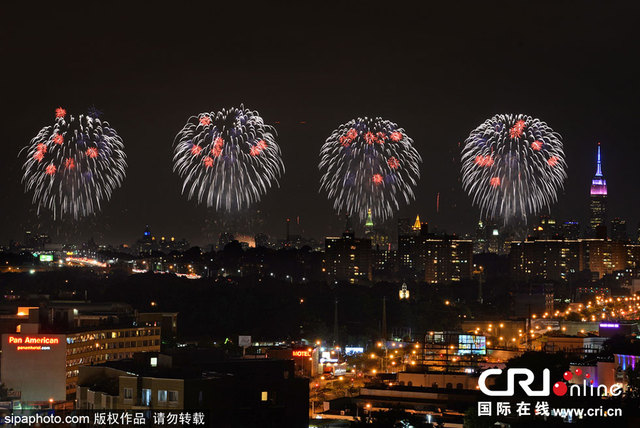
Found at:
(301, 353)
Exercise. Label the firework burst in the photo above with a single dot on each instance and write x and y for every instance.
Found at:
(74, 165)
(513, 166)
(227, 159)
(369, 164)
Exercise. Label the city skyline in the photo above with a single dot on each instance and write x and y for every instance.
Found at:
(225, 222)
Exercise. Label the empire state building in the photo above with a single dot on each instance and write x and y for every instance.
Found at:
(598, 205)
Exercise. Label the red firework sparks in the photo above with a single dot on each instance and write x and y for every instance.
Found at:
(393, 163)
(484, 160)
(92, 152)
(396, 136)
(495, 181)
(39, 155)
(352, 134)
(41, 148)
(69, 163)
(536, 145)
(217, 147)
(262, 144)
(208, 161)
(553, 160)
(345, 141)
(58, 139)
(517, 129)
(377, 178)
(51, 169)
(60, 112)
(205, 121)
(255, 151)
(195, 150)
(381, 137)
(369, 138)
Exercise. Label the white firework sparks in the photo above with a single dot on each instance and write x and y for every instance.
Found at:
(512, 167)
(369, 164)
(227, 159)
(74, 165)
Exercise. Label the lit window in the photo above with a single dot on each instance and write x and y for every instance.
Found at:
(162, 395)
(265, 395)
(146, 397)
(153, 361)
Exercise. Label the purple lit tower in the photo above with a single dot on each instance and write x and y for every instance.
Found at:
(598, 206)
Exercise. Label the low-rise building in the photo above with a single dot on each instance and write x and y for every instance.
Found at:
(249, 392)
(33, 348)
(605, 371)
(569, 344)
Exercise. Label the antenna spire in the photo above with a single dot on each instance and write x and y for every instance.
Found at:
(599, 164)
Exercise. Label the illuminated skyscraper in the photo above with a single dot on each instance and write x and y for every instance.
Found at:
(417, 226)
(348, 258)
(480, 243)
(378, 235)
(368, 225)
(147, 244)
(598, 205)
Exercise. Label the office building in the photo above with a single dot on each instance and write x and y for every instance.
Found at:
(408, 244)
(550, 260)
(555, 260)
(447, 259)
(348, 258)
(603, 257)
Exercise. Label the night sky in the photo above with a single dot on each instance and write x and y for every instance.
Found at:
(438, 71)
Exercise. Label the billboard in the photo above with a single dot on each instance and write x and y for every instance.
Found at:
(470, 344)
(353, 350)
(244, 341)
(46, 257)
